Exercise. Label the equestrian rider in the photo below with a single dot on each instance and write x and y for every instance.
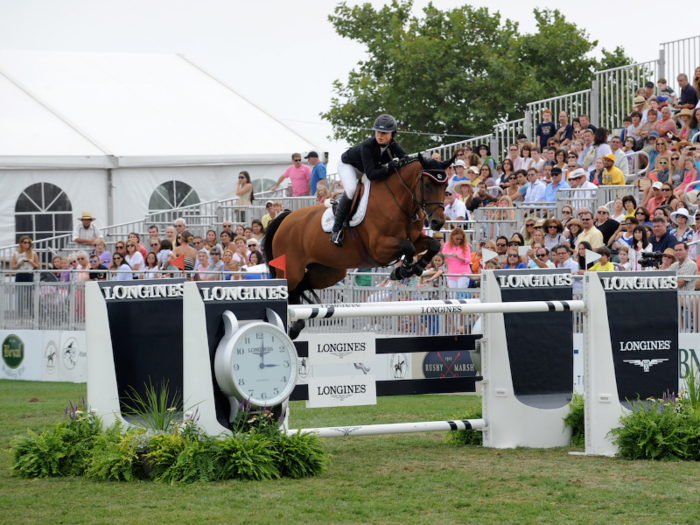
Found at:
(367, 158)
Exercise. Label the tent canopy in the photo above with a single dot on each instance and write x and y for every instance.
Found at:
(109, 110)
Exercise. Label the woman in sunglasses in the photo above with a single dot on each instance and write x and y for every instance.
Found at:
(554, 233)
(643, 216)
(669, 198)
(101, 251)
(121, 271)
(513, 260)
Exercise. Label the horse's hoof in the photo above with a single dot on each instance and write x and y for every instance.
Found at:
(398, 274)
(296, 328)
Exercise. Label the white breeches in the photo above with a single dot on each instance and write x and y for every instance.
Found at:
(348, 176)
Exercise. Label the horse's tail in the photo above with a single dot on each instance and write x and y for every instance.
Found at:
(269, 236)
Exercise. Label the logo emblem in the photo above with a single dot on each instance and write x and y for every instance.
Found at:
(646, 364)
(69, 355)
(304, 368)
(12, 351)
(346, 431)
(51, 356)
(363, 367)
(398, 366)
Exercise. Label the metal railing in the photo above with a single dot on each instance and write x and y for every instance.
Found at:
(506, 132)
(614, 90)
(575, 104)
(680, 56)
(447, 150)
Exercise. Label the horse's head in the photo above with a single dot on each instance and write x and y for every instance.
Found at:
(432, 188)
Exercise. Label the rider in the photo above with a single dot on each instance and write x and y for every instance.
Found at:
(367, 158)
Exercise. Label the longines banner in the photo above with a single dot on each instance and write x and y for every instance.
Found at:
(526, 331)
(645, 346)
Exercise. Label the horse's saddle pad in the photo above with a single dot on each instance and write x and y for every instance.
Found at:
(328, 217)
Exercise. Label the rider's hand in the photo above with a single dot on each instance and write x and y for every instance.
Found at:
(391, 167)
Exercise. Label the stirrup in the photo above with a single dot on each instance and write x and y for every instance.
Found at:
(337, 238)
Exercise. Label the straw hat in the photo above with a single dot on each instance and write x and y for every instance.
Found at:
(458, 186)
(685, 113)
(671, 252)
(87, 216)
(574, 222)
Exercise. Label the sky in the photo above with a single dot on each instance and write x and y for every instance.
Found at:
(282, 55)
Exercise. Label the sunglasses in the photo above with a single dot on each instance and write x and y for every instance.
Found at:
(539, 255)
(514, 243)
(564, 212)
(663, 162)
(538, 227)
(119, 246)
(603, 212)
(243, 178)
(529, 225)
(675, 158)
(512, 255)
(252, 246)
(155, 244)
(295, 160)
(552, 227)
(668, 257)
(448, 194)
(501, 245)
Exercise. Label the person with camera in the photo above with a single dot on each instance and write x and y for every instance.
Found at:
(639, 250)
(661, 239)
(683, 265)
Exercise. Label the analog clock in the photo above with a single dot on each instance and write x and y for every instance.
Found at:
(255, 361)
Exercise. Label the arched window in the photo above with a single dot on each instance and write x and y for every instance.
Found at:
(43, 210)
(172, 194)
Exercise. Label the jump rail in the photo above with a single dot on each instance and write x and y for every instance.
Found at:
(448, 307)
(396, 428)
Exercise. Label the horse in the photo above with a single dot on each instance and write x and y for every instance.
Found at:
(392, 230)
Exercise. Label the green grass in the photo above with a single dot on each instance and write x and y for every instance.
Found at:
(411, 478)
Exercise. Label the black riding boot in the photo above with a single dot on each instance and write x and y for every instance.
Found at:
(341, 212)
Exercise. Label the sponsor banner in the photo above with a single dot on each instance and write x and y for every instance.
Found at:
(387, 367)
(21, 354)
(342, 391)
(456, 363)
(332, 349)
(527, 333)
(688, 357)
(645, 354)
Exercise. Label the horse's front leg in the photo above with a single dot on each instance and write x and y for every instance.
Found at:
(433, 246)
(408, 252)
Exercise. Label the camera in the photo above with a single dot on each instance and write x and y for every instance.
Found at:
(651, 260)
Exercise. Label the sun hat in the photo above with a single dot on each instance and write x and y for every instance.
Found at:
(685, 113)
(458, 187)
(639, 100)
(460, 163)
(671, 252)
(684, 212)
(87, 216)
(657, 185)
(580, 172)
(474, 170)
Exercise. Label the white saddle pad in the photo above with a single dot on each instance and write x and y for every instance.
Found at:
(328, 218)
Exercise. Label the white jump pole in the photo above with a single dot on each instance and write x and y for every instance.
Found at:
(396, 428)
(430, 308)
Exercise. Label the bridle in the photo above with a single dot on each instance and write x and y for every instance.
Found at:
(417, 205)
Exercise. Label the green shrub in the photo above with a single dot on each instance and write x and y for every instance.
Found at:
(576, 420)
(468, 437)
(116, 456)
(64, 450)
(251, 456)
(301, 455)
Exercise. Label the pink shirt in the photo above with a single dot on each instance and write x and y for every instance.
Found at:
(454, 265)
(300, 178)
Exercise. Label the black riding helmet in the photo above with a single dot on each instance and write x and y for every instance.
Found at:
(385, 124)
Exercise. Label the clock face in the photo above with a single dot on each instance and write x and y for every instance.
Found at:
(264, 364)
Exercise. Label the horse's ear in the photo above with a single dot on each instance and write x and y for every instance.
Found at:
(421, 159)
(446, 163)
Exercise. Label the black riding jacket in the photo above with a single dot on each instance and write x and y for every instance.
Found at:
(369, 159)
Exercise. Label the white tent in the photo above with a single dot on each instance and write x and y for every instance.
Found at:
(108, 129)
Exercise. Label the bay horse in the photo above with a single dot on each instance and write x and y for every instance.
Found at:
(392, 230)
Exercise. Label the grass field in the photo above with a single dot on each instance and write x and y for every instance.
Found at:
(412, 478)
